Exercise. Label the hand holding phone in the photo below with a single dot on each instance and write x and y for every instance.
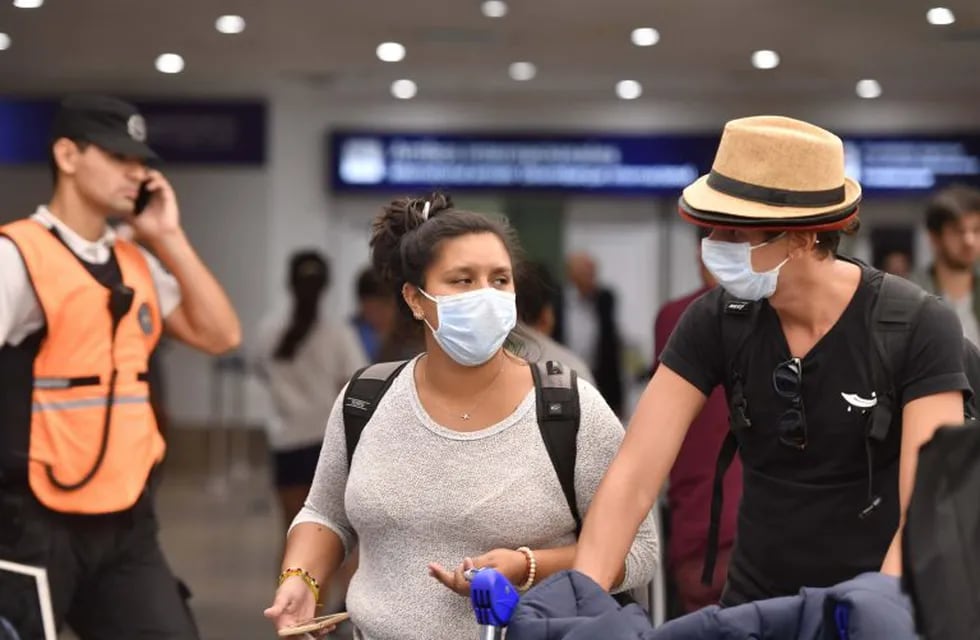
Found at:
(142, 198)
(323, 623)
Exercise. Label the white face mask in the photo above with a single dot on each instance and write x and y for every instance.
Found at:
(473, 325)
(731, 265)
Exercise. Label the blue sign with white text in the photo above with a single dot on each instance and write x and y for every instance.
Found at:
(627, 165)
(622, 164)
(181, 132)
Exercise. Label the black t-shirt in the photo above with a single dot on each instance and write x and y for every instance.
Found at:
(799, 519)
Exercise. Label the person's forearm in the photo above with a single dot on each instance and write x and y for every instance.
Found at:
(551, 561)
(633, 481)
(614, 518)
(314, 548)
(207, 307)
(920, 420)
(893, 559)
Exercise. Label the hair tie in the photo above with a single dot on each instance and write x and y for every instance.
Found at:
(425, 210)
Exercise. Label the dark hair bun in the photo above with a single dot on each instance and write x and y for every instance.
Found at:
(399, 219)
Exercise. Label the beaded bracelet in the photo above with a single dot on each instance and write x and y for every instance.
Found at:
(307, 578)
(532, 568)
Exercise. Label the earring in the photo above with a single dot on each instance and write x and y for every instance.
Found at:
(418, 315)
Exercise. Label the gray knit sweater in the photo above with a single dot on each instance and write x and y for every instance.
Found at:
(419, 493)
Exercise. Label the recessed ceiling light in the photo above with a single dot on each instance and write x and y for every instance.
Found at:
(494, 8)
(765, 59)
(391, 52)
(868, 89)
(645, 37)
(629, 89)
(170, 63)
(404, 89)
(4, 41)
(523, 71)
(230, 24)
(940, 16)
(28, 4)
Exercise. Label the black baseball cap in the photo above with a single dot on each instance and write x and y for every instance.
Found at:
(106, 122)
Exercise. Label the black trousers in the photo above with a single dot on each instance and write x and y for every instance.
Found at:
(107, 574)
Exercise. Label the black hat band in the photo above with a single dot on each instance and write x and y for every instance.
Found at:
(775, 197)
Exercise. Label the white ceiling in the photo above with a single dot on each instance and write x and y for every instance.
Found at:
(581, 48)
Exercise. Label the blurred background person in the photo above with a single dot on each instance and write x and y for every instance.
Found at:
(953, 223)
(382, 336)
(893, 249)
(690, 482)
(588, 327)
(376, 313)
(897, 262)
(536, 293)
(304, 361)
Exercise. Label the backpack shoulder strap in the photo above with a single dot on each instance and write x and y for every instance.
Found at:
(738, 320)
(364, 392)
(559, 414)
(729, 447)
(892, 319)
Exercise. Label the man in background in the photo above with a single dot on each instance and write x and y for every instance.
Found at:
(589, 328)
(953, 223)
(692, 476)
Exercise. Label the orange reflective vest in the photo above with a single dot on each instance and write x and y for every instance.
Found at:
(93, 437)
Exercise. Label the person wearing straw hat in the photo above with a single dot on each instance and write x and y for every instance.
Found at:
(788, 335)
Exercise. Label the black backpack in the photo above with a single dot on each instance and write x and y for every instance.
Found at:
(941, 538)
(559, 413)
(892, 321)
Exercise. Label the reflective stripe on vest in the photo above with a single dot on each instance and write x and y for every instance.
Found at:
(88, 403)
(83, 362)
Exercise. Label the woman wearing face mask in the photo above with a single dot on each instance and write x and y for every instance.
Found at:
(822, 498)
(451, 471)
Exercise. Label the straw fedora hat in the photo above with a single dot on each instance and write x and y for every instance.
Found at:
(776, 173)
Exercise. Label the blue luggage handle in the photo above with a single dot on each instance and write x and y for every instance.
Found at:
(493, 597)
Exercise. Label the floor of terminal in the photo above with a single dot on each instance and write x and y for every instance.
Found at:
(222, 534)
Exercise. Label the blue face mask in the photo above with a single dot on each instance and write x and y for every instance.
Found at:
(731, 265)
(473, 325)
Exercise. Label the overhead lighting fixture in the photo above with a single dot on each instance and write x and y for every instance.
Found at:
(404, 89)
(4, 41)
(28, 4)
(629, 89)
(230, 24)
(170, 63)
(645, 37)
(940, 16)
(868, 89)
(391, 52)
(765, 59)
(523, 71)
(494, 8)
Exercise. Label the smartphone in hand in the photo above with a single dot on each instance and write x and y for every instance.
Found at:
(314, 624)
(142, 198)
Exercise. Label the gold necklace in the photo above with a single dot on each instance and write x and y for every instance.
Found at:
(467, 415)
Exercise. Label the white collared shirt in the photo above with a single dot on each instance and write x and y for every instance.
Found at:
(20, 311)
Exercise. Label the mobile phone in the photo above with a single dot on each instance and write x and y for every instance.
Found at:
(142, 198)
(314, 624)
